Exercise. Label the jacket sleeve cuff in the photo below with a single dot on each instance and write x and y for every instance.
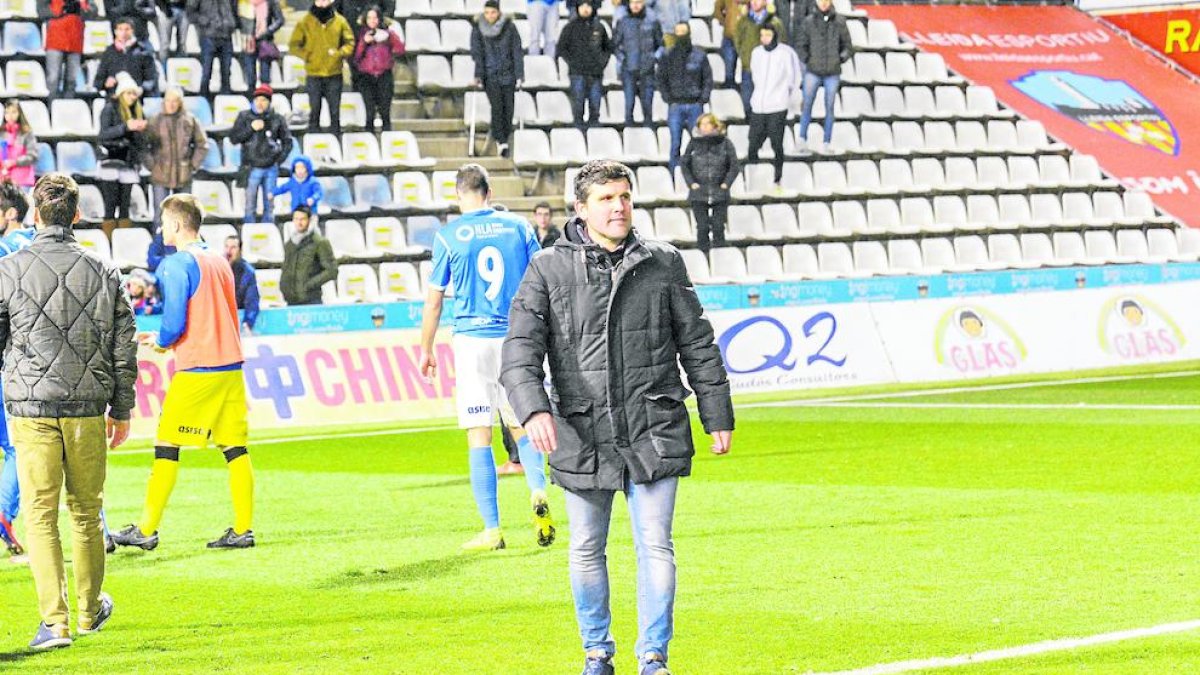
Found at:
(716, 412)
(528, 400)
(118, 414)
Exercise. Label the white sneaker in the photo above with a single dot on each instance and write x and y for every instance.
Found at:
(803, 149)
(502, 149)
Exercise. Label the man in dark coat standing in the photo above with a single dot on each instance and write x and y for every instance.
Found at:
(499, 68)
(615, 316)
(586, 47)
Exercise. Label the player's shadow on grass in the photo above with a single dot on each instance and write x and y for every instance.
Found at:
(417, 571)
(14, 657)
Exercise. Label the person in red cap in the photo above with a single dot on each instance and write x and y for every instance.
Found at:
(266, 142)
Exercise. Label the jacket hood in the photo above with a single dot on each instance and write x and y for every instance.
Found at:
(491, 30)
(573, 236)
(303, 159)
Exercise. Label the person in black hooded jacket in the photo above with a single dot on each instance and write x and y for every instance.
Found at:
(586, 47)
(499, 68)
(709, 167)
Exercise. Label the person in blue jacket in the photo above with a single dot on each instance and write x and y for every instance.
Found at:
(303, 187)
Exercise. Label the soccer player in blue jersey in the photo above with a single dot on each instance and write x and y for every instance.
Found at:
(13, 207)
(482, 257)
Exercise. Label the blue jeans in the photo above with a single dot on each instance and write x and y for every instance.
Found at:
(266, 180)
(639, 87)
(680, 116)
(747, 90)
(221, 48)
(729, 55)
(811, 82)
(589, 90)
(651, 512)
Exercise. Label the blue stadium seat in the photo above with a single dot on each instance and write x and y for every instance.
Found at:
(45, 161)
(233, 154)
(152, 106)
(76, 157)
(338, 195)
(22, 37)
(373, 190)
(212, 158)
(200, 109)
(421, 230)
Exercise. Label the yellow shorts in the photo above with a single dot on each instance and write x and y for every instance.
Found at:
(205, 406)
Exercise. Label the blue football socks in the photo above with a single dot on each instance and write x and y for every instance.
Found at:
(534, 464)
(483, 484)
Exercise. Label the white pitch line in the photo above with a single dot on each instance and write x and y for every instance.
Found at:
(969, 389)
(997, 406)
(1048, 646)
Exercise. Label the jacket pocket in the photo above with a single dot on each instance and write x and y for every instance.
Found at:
(670, 428)
(576, 429)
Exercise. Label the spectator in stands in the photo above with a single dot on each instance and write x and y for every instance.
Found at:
(672, 13)
(709, 166)
(776, 72)
(376, 52)
(323, 39)
(215, 21)
(245, 282)
(748, 39)
(547, 231)
(139, 12)
(177, 145)
(573, 5)
(143, 293)
(637, 42)
(172, 19)
(586, 47)
(308, 262)
(123, 139)
(266, 17)
(64, 42)
(823, 46)
(18, 148)
(543, 24)
(685, 80)
(353, 9)
(266, 141)
(126, 55)
(303, 187)
(728, 13)
(499, 68)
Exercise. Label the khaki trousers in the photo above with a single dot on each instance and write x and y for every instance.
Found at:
(51, 452)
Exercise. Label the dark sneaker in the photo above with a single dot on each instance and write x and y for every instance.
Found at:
(51, 637)
(102, 616)
(9, 537)
(652, 664)
(110, 546)
(231, 540)
(132, 536)
(598, 665)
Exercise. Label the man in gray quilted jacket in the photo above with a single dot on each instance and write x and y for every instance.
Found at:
(70, 363)
(616, 316)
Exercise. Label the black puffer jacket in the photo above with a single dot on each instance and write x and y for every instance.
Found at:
(265, 148)
(709, 161)
(585, 46)
(684, 77)
(618, 398)
(637, 38)
(823, 44)
(498, 55)
(117, 141)
(67, 331)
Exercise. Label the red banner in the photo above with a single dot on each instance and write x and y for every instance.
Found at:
(1092, 89)
(1174, 32)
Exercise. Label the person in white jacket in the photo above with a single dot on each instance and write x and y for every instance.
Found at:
(777, 72)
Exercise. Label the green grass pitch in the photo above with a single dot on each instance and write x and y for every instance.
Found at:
(831, 538)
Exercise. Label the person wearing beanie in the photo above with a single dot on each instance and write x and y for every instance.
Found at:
(637, 42)
(686, 82)
(266, 141)
(323, 39)
(586, 48)
(215, 21)
(757, 14)
(776, 72)
(499, 69)
(122, 138)
(176, 149)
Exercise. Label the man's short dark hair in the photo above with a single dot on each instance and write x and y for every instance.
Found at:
(543, 205)
(303, 208)
(56, 197)
(11, 197)
(123, 20)
(235, 237)
(600, 172)
(472, 178)
(185, 209)
(767, 27)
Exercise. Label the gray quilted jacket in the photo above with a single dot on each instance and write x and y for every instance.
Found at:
(615, 339)
(67, 330)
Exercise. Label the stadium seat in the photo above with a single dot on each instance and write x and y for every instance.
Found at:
(881, 33)
(1036, 249)
(868, 69)
(215, 198)
(952, 101)
(1032, 134)
(849, 218)
(25, 78)
(937, 255)
(800, 262)
(95, 241)
(226, 108)
(185, 72)
(1163, 246)
(835, 258)
(1132, 247)
(815, 220)
(568, 145)
(903, 256)
(916, 213)
(401, 147)
(422, 36)
(981, 101)
(655, 184)
(1014, 212)
(215, 235)
(766, 260)
(971, 253)
(357, 283)
(531, 149)
(398, 281)
(385, 236)
(931, 67)
(901, 68)
(77, 158)
(726, 104)
(542, 72)
(1085, 170)
(553, 108)
(1045, 211)
(745, 222)
(875, 137)
(909, 138)
(71, 117)
(870, 258)
(262, 243)
(779, 222)
(91, 204)
(341, 199)
(697, 267)
(412, 189)
(883, 216)
(1069, 249)
(607, 142)
(1139, 205)
(45, 161)
(22, 37)
(361, 148)
(129, 247)
(269, 293)
(37, 115)
(346, 238)
(199, 107)
(797, 178)
(992, 173)
(984, 213)
(1110, 207)
(673, 224)
(732, 264)
(1189, 242)
(323, 149)
(889, 102)
(421, 231)
(1004, 250)
(1101, 246)
(444, 185)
